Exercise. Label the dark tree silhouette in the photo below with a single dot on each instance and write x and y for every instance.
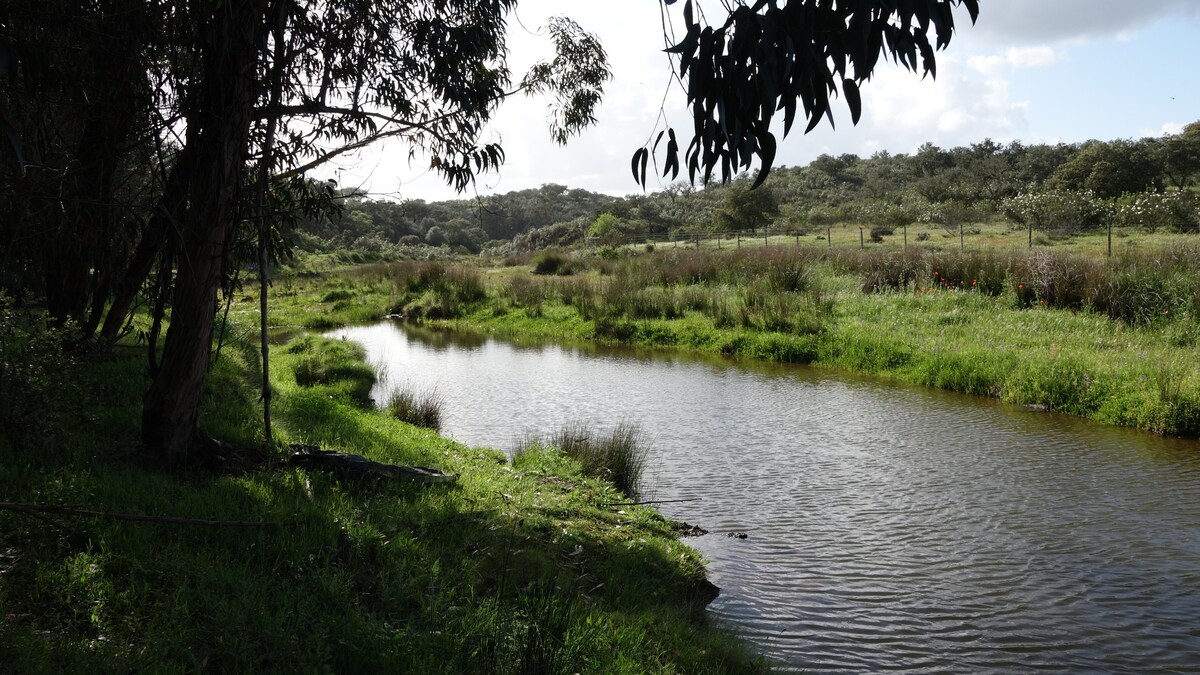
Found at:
(791, 56)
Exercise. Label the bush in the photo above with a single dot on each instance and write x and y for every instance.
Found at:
(552, 262)
(1063, 210)
(1177, 211)
(34, 368)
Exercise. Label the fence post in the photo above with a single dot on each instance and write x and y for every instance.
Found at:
(906, 237)
(829, 236)
(862, 242)
(1110, 237)
(960, 236)
(1031, 234)
(739, 238)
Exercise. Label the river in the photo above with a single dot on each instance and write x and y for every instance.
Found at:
(889, 527)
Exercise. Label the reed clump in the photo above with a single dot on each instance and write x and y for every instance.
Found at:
(618, 456)
(421, 409)
(433, 290)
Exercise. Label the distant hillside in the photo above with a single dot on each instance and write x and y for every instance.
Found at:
(976, 183)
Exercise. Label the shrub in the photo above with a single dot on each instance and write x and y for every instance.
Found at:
(1175, 210)
(553, 262)
(1064, 210)
(607, 252)
(34, 368)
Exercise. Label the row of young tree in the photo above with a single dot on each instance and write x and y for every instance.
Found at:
(1142, 183)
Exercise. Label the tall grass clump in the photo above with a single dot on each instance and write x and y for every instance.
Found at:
(436, 291)
(325, 361)
(1056, 279)
(627, 293)
(579, 293)
(527, 292)
(548, 633)
(885, 271)
(618, 457)
(418, 409)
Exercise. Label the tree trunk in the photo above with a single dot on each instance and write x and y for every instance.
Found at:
(218, 122)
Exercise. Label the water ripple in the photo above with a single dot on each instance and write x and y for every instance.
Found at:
(889, 528)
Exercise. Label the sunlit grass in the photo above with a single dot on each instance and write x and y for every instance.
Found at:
(506, 569)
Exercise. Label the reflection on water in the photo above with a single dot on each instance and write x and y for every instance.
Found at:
(890, 527)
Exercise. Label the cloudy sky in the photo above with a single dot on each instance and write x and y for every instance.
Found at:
(1030, 70)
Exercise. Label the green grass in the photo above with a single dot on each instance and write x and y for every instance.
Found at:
(1116, 342)
(510, 569)
(998, 322)
(422, 410)
(618, 457)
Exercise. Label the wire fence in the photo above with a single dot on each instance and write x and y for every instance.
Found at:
(1102, 242)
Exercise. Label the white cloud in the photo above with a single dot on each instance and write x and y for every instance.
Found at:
(1167, 129)
(971, 99)
(995, 65)
(1041, 22)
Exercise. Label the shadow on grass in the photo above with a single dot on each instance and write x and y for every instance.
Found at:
(506, 571)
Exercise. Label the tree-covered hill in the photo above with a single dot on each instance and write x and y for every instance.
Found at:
(1140, 182)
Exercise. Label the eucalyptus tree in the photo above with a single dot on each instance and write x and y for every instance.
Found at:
(290, 85)
(233, 100)
(791, 56)
(239, 99)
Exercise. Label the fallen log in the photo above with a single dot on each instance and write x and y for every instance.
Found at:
(357, 467)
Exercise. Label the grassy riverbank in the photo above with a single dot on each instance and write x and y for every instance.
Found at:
(517, 567)
(1114, 341)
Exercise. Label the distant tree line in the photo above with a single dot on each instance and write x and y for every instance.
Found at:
(1139, 183)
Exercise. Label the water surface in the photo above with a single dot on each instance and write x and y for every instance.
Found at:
(888, 527)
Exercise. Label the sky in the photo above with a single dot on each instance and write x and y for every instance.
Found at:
(1038, 71)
